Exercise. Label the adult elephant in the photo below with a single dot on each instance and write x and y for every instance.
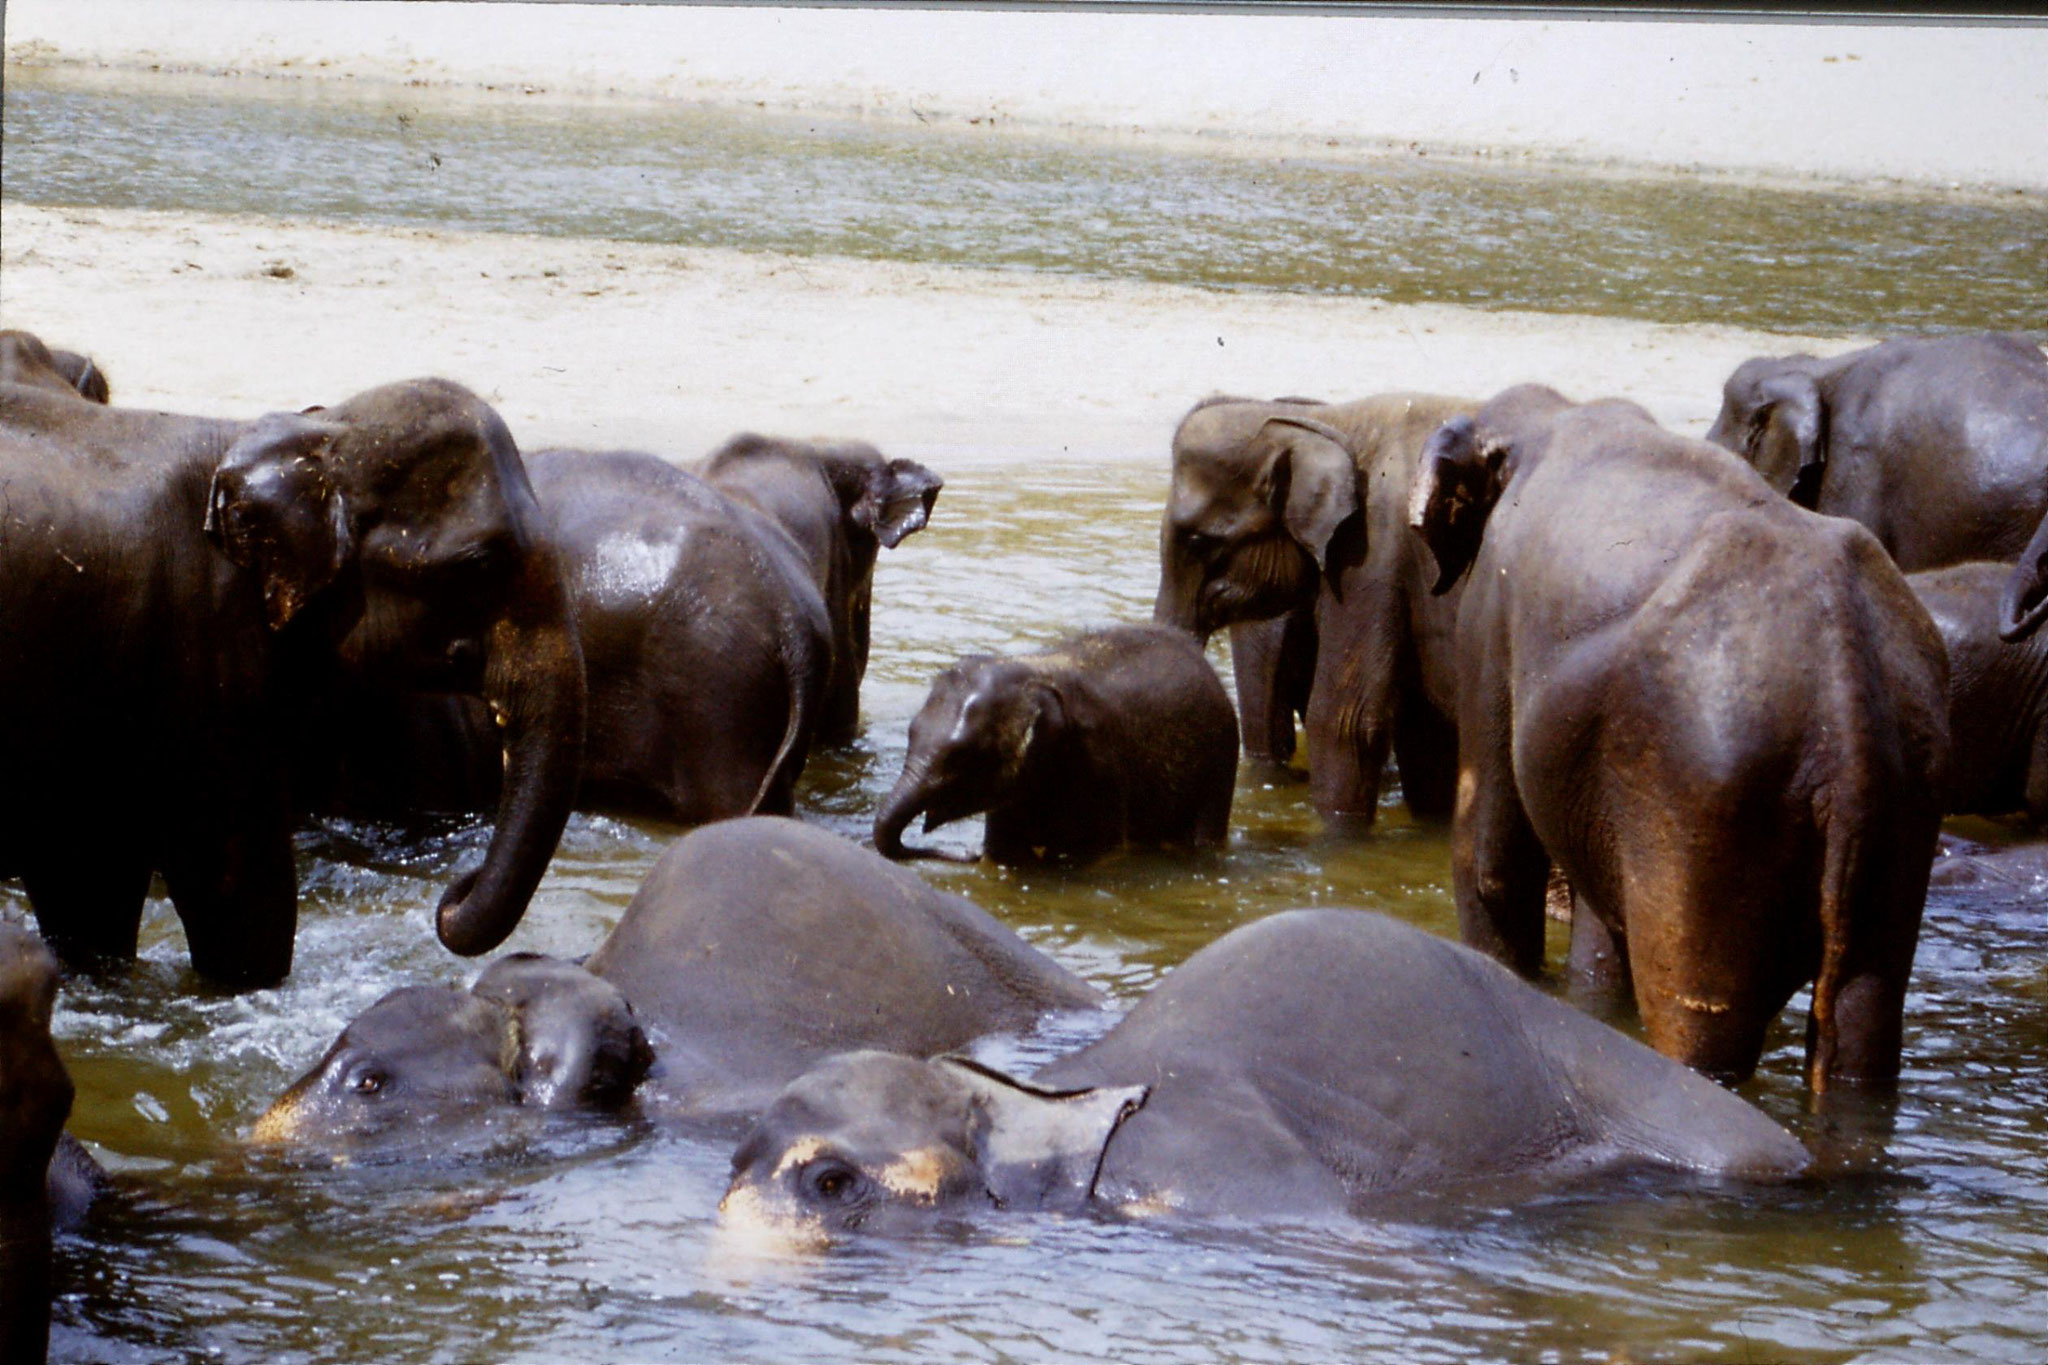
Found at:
(24, 359)
(754, 949)
(1997, 696)
(842, 502)
(1297, 506)
(1299, 1066)
(707, 646)
(1938, 444)
(1274, 665)
(35, 1099)
(171, 586)
(1722, 717)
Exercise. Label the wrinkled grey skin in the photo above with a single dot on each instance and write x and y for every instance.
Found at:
(1997, 696)
(1722, 717)
(754, 948)
(35, 1099)
(1300, 1065)
(1297, 506)
(1116, 736)
(1274, 665)
(24, 359)
(1938, 444)
(842, 502)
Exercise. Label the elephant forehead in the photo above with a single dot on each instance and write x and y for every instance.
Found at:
(632, 564)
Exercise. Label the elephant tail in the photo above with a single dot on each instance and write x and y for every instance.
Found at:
(803, 671)
(1840, 861)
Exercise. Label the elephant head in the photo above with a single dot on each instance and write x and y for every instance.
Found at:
(1466, 464)
(970, 744)
(873, 1139)
(406, 515)
(1774, 416)
(533, 1031)
(1259, 492)
(24, 359)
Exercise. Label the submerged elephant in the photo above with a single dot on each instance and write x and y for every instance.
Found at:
(754, 949)
(1722, 717)
(1998, 696)
(24, 359)
(1300, 1065)
(35, 1099)
(1938, 444)
(171, 586)
(1115, 736)
(1290, 506)
(842, 502)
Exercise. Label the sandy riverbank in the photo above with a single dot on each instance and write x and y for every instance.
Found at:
(1896, 102)
(672, 349)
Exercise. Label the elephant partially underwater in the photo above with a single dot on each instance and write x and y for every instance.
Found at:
(173, 588)
(1998, 696)
(1300, 1066)
(754, 949)
(35, 1099)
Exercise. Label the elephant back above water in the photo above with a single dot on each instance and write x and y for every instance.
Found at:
(1939, 445)
(173, 588)
(842, 502)
(1301, 1065)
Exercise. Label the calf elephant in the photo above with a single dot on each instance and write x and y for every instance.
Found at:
(842, 503)
(171, 586)
(1293, 506)
(754, 948)
(24, 359)
(707, 646)
(1299, 1065)
(35, 1099)
(1115, 736)
(1723, 717)
(1938, 444)
(1997, 696)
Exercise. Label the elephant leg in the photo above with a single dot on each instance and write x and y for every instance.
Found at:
(2037, 778)
(1265, 714)
(1870, 998)
(231, 876)
(1498, 871)
(1426, 753)
(1599, 979)
(88, 900)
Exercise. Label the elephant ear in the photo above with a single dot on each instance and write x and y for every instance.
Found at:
(273, 508)
(896, 501)
(1790, 415)
(1315, 468)
(1041, 1149)
(1455, 488)
(573, 1041)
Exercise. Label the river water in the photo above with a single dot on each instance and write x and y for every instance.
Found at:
(596, 1239)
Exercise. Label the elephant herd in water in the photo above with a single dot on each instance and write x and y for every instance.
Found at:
(1716, 695)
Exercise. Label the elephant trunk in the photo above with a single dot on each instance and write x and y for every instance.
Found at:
(909, 798)
(1179, 602)
(534, 682)
(2024, 603)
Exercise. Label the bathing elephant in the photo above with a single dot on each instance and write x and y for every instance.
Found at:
(172, 587)
(707, 646)
(1298, 1066)
(1274, 665)
(1723, 717)
(1116, 736)
(1290, 505)
(1997, 696)
(842, 502)
(1938, 444)
(35, 1099)
(754, 948)
(24, 359)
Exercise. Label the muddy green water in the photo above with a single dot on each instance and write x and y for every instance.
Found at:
(596, 1240)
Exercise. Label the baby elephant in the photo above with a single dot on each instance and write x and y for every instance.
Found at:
(754, 949)
(1297, 1066)
(1115, 736)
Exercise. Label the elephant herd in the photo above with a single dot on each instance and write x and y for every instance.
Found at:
(1723, 691)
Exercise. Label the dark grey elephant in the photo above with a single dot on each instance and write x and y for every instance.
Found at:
(35, 1099)
(1938, 444)
(24, 359)
(1296, 506)
(1299, 1066)
(1722, 717)
(707, 647)
(842, 502)
(172, 588)
(754, 949)
(1997, 696)
(1274, 665)
(1117, 736)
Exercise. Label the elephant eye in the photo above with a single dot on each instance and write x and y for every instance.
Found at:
(831, 1182)
(368, 1082)
(1200, 544)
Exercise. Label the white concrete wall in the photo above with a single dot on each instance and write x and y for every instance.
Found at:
(1850, 101)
